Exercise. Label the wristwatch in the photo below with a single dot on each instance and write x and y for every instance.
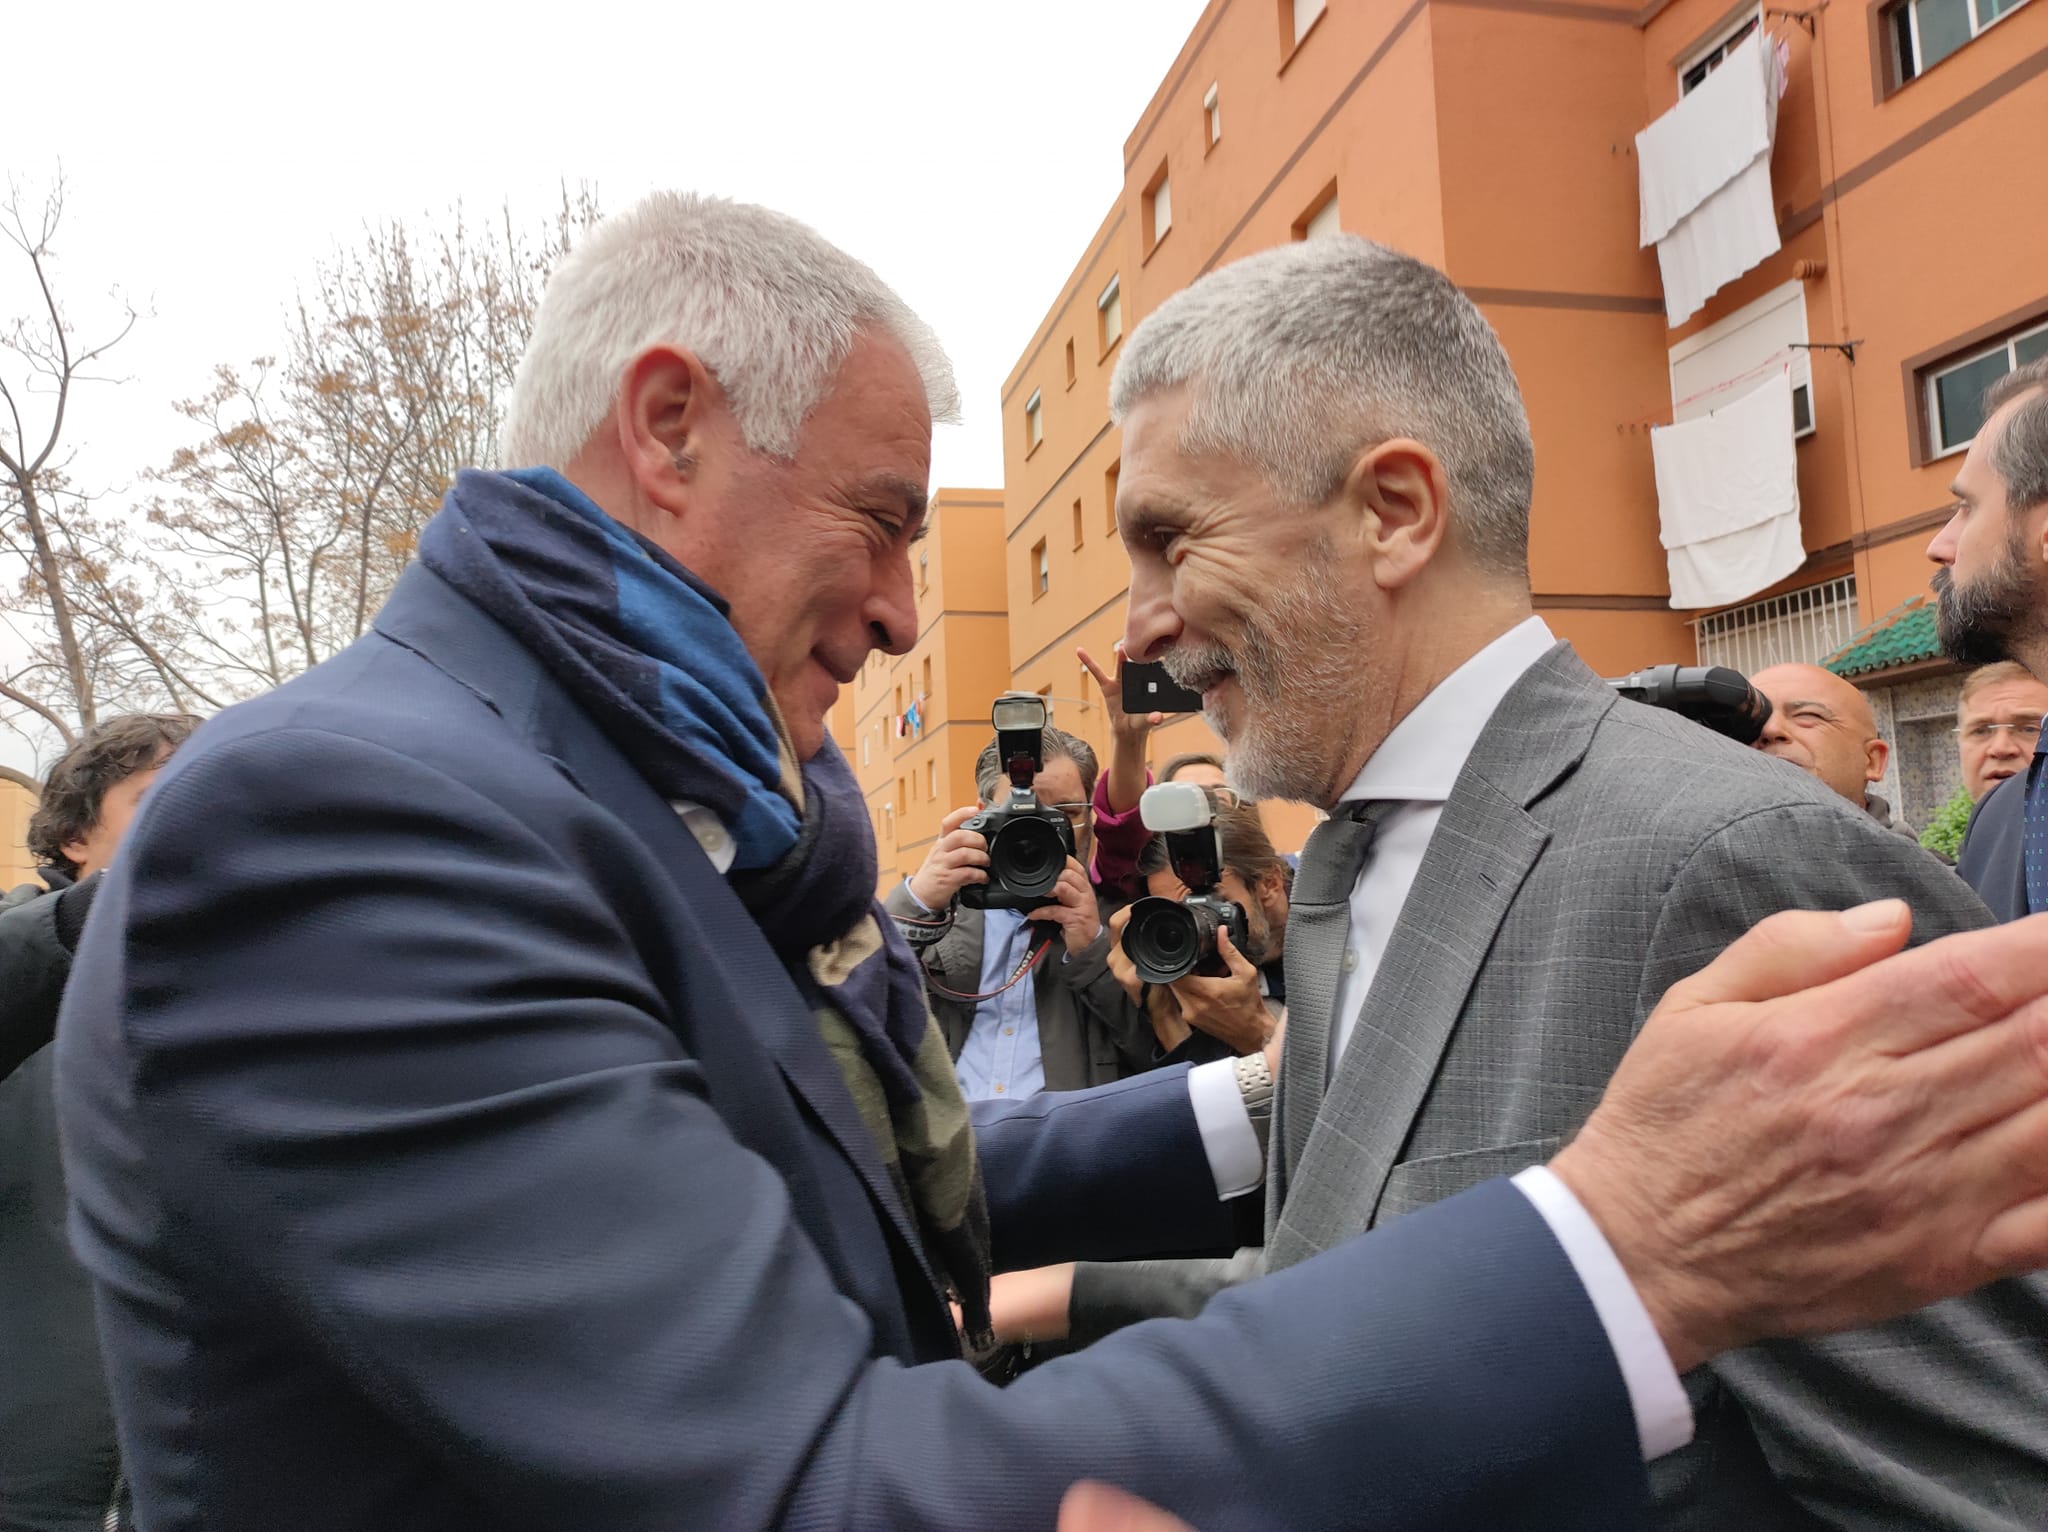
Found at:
(1255, 1084)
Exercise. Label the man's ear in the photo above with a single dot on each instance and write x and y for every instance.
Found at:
(666, 400)
(1400, 498)
(1875, 753)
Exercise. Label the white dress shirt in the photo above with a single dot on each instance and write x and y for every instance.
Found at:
(1416, 767)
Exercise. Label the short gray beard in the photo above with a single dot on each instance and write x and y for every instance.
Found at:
(1300, 668)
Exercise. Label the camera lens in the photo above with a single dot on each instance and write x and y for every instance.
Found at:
(1026, 857)
(1165, 939)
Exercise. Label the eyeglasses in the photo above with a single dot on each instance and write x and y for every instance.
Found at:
(1077, 813)
(1983, 733)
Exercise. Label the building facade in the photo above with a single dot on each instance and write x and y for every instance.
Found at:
(1497, 140)
(17, 803)
(912, 724)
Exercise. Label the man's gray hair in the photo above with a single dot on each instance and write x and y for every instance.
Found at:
(2020, 455)
(768, 304)
(1299, 358)
(991, 776)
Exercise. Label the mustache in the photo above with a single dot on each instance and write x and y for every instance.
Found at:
(1196, 668)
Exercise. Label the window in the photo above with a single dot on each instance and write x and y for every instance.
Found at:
(1955, 390)
(1034, 423)
(1322, 222)
(1212, 118)
(1109, 493)
(931, 780)
(1109, 312)
(1724, 361)
(927, 679)
(866, 745)
(1158, 209)
(899, 702)
(924, 571)
(1077, 524)
(1801, 627)
(1297, 17)
(1070, 364)
(1710, 58)
(902, 794)
(1924, 32)
(1041, 570)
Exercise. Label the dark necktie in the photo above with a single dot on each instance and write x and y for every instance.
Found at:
(1318, 931)
(2035, 844)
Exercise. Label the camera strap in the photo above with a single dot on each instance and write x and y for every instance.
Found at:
(1031, 960)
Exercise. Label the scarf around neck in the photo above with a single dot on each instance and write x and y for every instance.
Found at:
(649, 651)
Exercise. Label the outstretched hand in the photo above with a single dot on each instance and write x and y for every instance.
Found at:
(1814, 1134)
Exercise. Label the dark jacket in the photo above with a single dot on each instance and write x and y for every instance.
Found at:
(450, 1149)
(1992, 860)
(58, 1459)
(39, 927)
(1089, 1033)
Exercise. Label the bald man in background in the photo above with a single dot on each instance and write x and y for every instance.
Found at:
(1824, 726)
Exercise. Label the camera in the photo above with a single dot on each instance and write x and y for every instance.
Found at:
(1714, 695)
(1028, 844)
(1168, 939)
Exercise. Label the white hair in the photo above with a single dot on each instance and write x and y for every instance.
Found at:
(768, 305)
(1299, 358)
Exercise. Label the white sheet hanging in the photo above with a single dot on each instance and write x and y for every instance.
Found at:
(1704, 142)
(1728, 497)
(1711, 213)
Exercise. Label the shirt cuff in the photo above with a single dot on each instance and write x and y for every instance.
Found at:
(911, 894)
(1663, 1414)
(1228, 1139)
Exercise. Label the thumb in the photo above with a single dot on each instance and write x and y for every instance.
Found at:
(1795, 950)
(1240, 966)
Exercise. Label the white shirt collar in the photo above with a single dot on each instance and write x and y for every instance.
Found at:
(1423, 755)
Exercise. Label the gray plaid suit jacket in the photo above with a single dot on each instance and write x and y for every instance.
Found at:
(1592, 852)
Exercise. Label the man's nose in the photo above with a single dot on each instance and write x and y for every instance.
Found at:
(1151, 626)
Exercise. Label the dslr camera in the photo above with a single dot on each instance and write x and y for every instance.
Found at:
(1168, 939)
(1028, 844)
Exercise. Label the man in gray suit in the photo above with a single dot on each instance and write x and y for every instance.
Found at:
(1069, 1025)
(1325, 491)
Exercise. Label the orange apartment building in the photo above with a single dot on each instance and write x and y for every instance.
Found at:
(17, 803)
(914, 777)
(1496, 139)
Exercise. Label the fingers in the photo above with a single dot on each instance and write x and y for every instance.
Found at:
(1948, 987)
(1092, 1507)
(1987, 1074)
(1795, 950)
(1119, 920)
(1101, 677)
(957, 818)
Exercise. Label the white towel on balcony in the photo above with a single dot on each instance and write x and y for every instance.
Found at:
(1728, 497)
(1705, 141)
(1704, 170)
(1728, 234)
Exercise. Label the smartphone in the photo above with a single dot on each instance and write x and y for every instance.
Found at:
(1149, 689)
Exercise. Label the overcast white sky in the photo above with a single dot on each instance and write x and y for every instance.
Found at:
(214, 151)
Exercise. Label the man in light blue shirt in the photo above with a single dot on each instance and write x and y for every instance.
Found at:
(1025, 998)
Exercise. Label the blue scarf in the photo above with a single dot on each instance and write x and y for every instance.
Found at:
(649, 651)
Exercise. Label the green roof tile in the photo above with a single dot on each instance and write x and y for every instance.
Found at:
(1904, 636)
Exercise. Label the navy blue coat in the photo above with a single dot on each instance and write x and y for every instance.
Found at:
(1992, 859)
(449, 1150)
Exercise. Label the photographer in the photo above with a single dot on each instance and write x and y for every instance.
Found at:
(1064, 1025)
(1199, 1018)
(58, 1462)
